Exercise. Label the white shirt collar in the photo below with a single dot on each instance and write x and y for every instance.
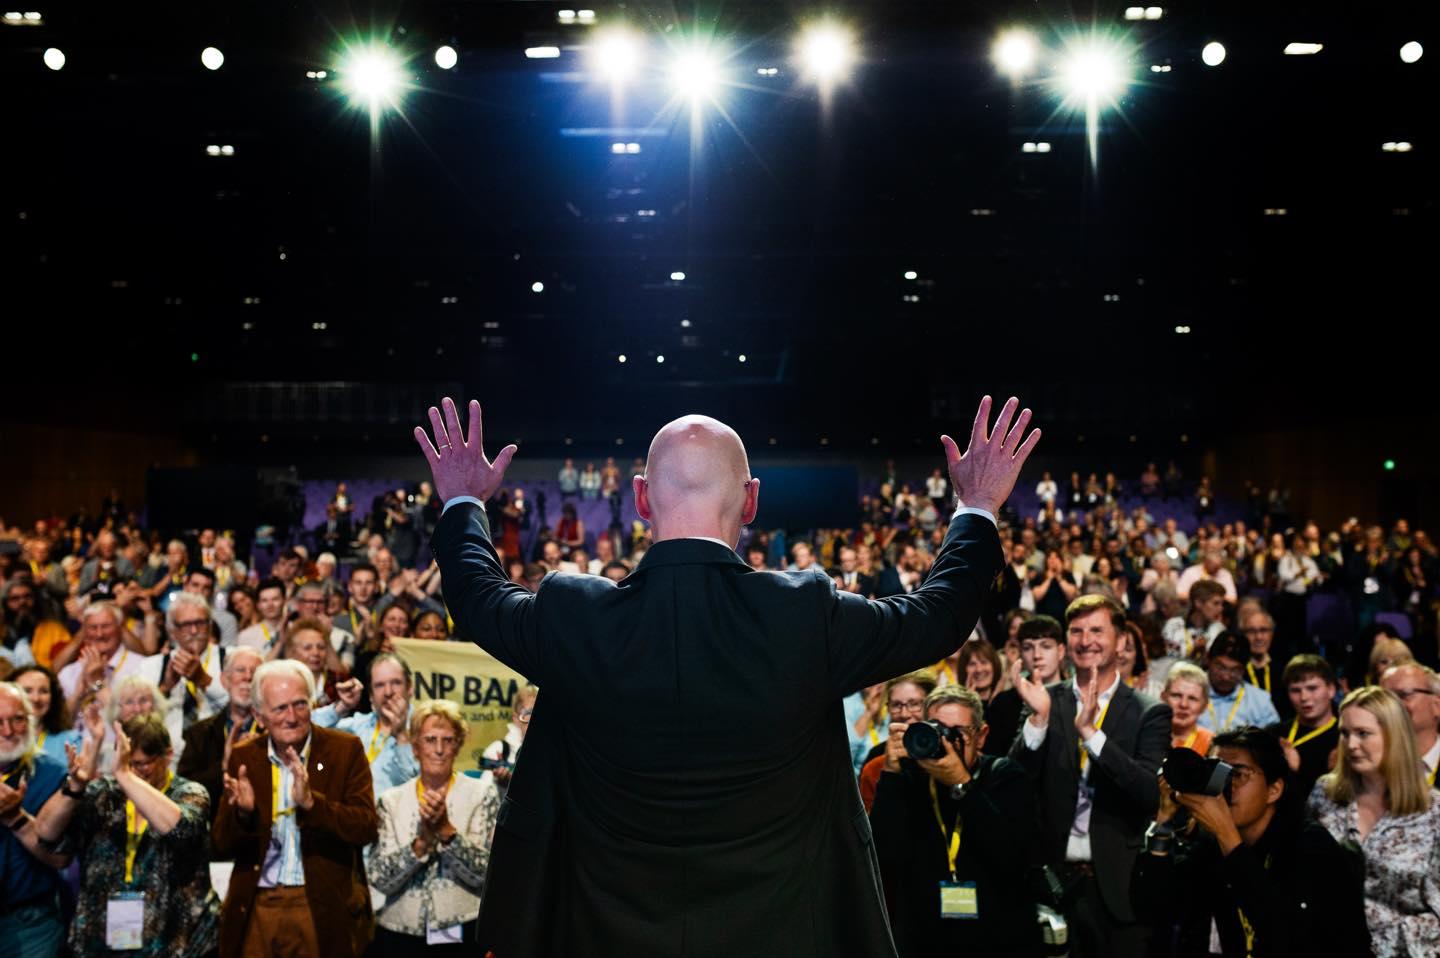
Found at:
(712, 539)
(1105, 696)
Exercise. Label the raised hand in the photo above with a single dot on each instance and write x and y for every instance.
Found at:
(458, 467)
(1032, 693)
(348, 692)
(1089, 707)
(238, 790)
(299, 778)
(985, 474)
(92, 668)
(122, 751)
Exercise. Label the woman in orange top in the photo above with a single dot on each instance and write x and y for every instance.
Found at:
(1187, 692)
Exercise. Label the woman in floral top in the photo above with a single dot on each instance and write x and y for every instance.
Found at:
(1378, 799)
(143, 840)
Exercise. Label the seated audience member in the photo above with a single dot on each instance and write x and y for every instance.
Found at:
(1093, 745)
(1386, 653)
(287, 896)
(200, 581)
(1042, 655)
(209, 741)
(434, 845)
(31, 922)
(54, 728)
(502, 754)
(1052, 587)
(1187, 692)
(904, 698)
(384, 731)
(1418, 688)
(1211, 568)
(141, 836)
(1190, 637)
(268, 634)
(979, 669)
(1254, 874)
(307, 642)
(312, 601)
(103, 661)
(1377, 798)
(1233, 703)
(1259, 630)
(953, 837)
(430, 625)
(1312, 735)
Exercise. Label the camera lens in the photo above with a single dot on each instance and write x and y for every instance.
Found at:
(922, 741)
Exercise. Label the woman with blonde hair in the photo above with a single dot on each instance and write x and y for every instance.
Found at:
(1187, 692)
(1377, 798)
(1387, 653)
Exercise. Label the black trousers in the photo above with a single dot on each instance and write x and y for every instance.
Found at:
(1095, 932)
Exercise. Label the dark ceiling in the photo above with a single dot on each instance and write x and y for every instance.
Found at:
(384, 261)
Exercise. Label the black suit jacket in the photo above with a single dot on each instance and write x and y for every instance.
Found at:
(1137, 736)
(686, 786)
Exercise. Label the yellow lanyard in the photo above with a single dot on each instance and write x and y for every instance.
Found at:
(354, 623)
(1431, 776)
(121, 664)
(371, 751)
(1215, 716)
(134, 831)
(40, 740)
(276, 812)
(20, 771)
(1250, 668)
(420, 786)
(952, 847)
(943, 670)
(205, 666)
(1295, 727)
(1191, 740)
(1099, 721)
(1249, 931)
(874, 735)
(265, 631)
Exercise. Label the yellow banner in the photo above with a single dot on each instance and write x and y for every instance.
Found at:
(471, 678)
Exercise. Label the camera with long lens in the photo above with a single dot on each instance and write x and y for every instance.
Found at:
(922, 739)
(1190, 773)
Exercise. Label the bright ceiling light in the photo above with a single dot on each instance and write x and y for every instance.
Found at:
(695, 74)
(1303, 49)
(1093, 71)
(1411, 52)
(1213, 54)
(55, 59)
(826, 52)
(615, 55)
(542, 53)
(446, 57)
(212, 58)
(1014, 52)
(677, 277)
(373, 77)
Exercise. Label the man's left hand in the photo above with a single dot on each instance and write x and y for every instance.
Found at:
(460, 467)
(299, 779)
(1213, 814)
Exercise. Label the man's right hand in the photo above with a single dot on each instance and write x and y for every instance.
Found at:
(895, 746)
(239, 791)
(1032, 693)
(985, 474)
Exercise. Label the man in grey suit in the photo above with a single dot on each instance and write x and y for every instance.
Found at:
(715, 813)
(1094, 746)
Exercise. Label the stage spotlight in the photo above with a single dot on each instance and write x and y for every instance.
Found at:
(911, 274)
(1093, 72)
(1303, 49)
(695, 74)
(1014, 53)
(615, 55)
(542, 53)
(1411, 52)
(826, 52)
(1213, 54)
(373, 77)
(1401, 146)
(446, 57)
(212, 58)
(55, 59)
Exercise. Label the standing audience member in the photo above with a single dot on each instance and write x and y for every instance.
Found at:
(904, 698)
(1234, 703)
(31, 919)
(53, 726)
(384, 731)
(434, 845)
(501, 755)
(1418, 688)
(1187, 692)
(1312, 735)
(209, 741)
(1042, 655)
(1378, 798)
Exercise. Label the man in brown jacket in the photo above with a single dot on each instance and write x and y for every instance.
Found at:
(297, 810)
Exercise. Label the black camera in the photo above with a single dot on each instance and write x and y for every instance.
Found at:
(1188, 772)
(922, 739)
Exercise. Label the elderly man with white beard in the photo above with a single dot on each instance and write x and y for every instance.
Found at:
(30, 919)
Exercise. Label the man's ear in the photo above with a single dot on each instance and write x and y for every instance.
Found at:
(752, 502)
(642, 497)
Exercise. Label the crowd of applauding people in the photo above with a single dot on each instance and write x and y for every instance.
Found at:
(164, 708)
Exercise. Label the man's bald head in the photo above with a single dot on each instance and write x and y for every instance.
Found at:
(697, 476)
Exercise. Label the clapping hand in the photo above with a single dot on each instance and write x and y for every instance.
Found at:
(239, 792)
(985, 474)
(1089, 708)
(10, 800)
(299, 779)
(92, 667)
(459, 467)
(1033, 693)
(122, 751)
(348, 693)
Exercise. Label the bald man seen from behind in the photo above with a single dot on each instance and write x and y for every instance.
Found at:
(686, 787)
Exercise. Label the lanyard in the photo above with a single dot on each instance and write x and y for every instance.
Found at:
(1215, 717)
(134, 831)
(354, 623)
(1099, 721)
(370, 750)
(1194, 733)
(1250, 668)
(420, 786)
(952, 841)
(1431, 776)
(874, 735)
(40, 740)
(943, 671)
(121, 664)
(1295, 727)
(265, 631)
(276, 770)
(20, 772)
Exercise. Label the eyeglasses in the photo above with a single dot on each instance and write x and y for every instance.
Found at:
(1240, 774)
(914, 705)
(192, 624)
(1406, 695)
(143, 763)
(15, 721)
(1220, 669)
(443, 742)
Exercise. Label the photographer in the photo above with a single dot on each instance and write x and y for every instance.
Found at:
(953, 838)
(1269, 883)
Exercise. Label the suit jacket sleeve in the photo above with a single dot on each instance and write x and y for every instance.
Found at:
(495, 613)
(871, 641)
(350, 815)
(1135, 773)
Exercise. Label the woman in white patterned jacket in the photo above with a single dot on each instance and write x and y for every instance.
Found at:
(434, 845)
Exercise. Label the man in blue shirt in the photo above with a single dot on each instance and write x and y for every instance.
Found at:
(1233, 703)
(384, 731)
(30, 923)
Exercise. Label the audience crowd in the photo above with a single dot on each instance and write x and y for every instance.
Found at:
(170, 700)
